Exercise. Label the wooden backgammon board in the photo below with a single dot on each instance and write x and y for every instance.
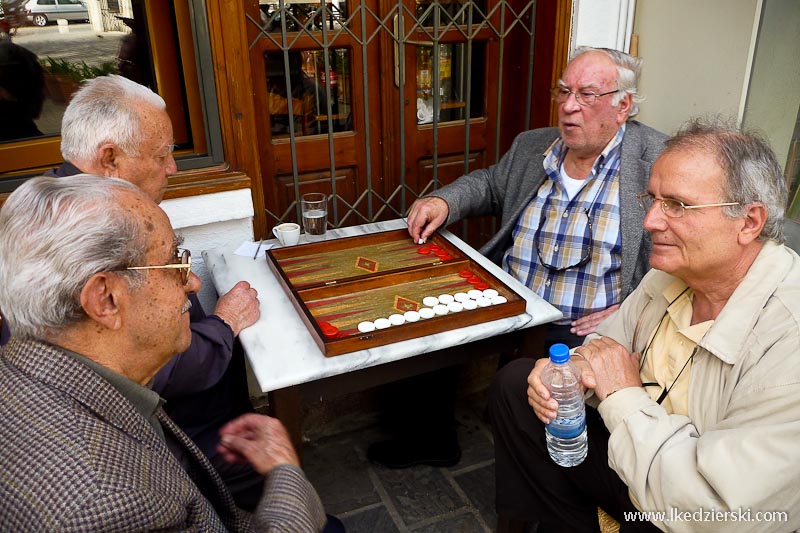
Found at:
(340, 287)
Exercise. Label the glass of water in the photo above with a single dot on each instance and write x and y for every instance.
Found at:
(315, 215)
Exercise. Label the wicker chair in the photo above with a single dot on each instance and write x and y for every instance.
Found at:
(607, 524)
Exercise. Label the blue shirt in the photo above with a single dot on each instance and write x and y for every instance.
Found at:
(555, 232)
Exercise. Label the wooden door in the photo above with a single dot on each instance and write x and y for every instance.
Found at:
(448, 120)
(318, 55)
(365, 122)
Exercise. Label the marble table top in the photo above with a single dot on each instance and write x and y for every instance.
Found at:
(282, 352)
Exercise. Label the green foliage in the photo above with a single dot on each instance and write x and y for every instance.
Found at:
(78, 71)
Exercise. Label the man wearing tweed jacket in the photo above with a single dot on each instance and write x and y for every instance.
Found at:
(95, 290)
(117, 128)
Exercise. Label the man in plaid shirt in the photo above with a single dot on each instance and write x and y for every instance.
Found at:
(570, 229)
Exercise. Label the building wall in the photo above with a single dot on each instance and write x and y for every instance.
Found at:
(696, 58)
(774, 96)
(602, 23)
(208, 221)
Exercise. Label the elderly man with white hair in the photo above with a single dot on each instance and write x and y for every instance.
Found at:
(96, 290)
(116, 128)
(695, 416)
(569, 227)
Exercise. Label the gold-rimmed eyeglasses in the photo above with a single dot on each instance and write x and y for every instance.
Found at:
(183, 261)
(671, 207)
(165, 153)
(584, 97)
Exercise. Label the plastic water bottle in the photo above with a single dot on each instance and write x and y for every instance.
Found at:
(566, 433)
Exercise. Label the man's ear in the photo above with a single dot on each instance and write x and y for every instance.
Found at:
(107, 156)
(752, 223)
(101, 297)
(624, 108)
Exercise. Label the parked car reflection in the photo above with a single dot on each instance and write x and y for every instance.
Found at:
(40, 12)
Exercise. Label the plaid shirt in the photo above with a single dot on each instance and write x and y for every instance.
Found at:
(557, 230)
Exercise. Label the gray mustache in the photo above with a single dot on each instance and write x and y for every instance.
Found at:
(186, 306)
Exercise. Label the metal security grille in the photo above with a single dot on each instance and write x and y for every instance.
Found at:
(319, 54)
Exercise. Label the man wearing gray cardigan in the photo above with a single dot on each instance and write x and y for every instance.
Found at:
(571, 228)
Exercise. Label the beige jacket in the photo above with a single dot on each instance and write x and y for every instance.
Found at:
(739, 448)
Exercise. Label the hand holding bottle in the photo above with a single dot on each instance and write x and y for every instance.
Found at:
(566, 433)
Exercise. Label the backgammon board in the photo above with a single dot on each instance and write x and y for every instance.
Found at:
(370, 290)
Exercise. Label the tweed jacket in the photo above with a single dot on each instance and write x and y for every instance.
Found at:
(506, 188)
(738, 447)
(204, 362)
(184, 380)
(77, 456)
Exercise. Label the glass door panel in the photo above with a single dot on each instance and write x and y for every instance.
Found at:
(302, 14)
(378, 102)
(457, 12)
(312, 91)
(453, 82)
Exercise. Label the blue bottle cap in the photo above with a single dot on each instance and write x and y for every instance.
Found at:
(559, 353)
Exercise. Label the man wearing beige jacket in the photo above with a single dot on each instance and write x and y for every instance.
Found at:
(696, 378)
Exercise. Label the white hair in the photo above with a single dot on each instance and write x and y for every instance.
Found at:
(55, 233)
(628, 70)
(105, 110)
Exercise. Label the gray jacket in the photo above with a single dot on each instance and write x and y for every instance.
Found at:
(506, 188)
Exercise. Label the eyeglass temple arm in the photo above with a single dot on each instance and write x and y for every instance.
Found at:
(182, 265)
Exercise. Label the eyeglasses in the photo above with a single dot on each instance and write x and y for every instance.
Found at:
(584, 256)
(123, 61)
(184, 263)
(584, 97)
(671, 207)
(166, 153)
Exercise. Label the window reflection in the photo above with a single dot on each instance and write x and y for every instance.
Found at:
(21, 92)
(134, 57)
(302, 14)
(43, 63)
(453, 82)
(309, 88)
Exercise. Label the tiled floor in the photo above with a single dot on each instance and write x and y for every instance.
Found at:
(372, 499)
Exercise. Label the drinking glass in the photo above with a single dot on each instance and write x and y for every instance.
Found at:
(315, 215)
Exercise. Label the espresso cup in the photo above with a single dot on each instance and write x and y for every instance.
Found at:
(288, 233)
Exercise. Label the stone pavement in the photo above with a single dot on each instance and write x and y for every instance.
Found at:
(371, 499)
